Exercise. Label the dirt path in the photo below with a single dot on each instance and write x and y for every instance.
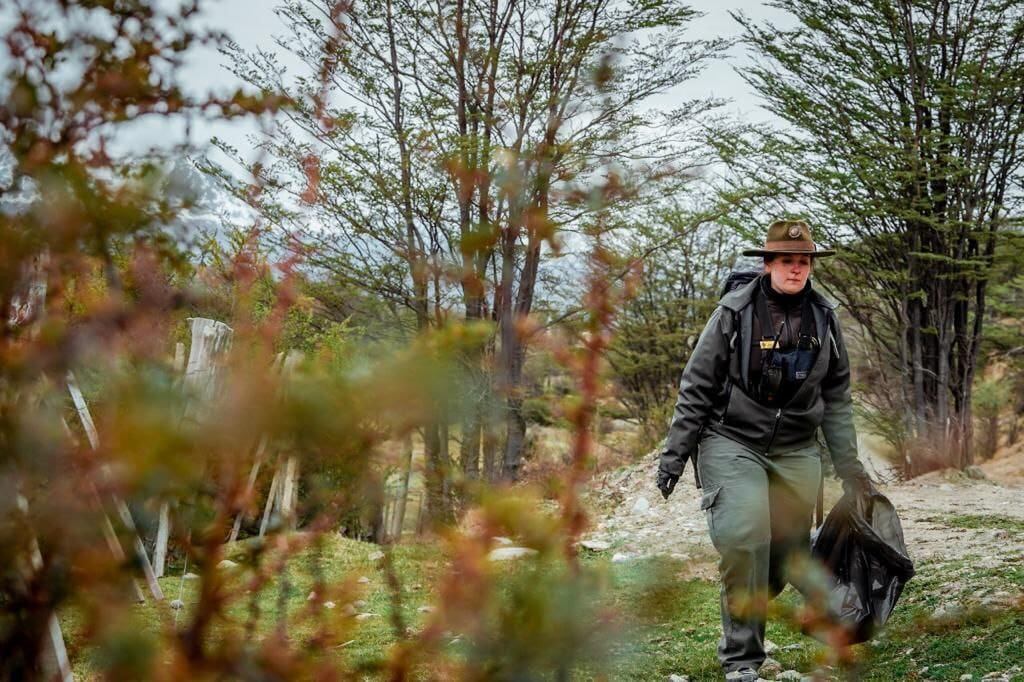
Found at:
(631, 517)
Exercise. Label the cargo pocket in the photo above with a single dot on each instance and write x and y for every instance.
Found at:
(707, 505)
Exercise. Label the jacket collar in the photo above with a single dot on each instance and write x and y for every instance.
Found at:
(738, 299)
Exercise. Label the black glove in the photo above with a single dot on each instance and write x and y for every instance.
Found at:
(863, 489)
(666, 482)
(860, 484)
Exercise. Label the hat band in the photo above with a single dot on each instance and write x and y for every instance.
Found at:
(791, 246)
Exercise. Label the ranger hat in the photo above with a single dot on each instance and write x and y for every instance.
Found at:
(788, 236)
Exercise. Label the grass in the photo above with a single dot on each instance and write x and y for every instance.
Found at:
(976, 641)
(343, 564)
(669, 625)
(980, 521)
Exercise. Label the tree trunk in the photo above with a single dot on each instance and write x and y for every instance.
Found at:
(472, 439)
(436, 506)
(403, 489)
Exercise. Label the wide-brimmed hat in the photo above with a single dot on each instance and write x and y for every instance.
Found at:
(789, 236)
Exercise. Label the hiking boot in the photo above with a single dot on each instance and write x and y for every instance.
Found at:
(742, 675)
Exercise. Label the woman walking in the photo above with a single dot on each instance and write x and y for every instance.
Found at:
(769, 369)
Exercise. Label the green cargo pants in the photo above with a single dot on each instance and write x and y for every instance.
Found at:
(758, 510)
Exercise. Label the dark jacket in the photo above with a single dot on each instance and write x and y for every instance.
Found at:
(712, 391)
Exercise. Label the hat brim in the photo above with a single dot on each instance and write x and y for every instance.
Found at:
(795, 252)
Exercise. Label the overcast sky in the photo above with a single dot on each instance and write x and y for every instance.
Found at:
(252, 24)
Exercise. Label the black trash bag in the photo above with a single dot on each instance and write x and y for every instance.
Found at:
(861, 544)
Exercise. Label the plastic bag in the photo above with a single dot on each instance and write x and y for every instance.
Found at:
(867, 559)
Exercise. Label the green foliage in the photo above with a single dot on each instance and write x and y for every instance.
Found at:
(994, 522)
(880, 152)
(685, 263)
(538, 410)
(990, 397)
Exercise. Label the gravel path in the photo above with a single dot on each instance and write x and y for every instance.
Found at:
(630, 516)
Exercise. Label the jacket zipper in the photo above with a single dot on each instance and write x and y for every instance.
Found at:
(771, 438)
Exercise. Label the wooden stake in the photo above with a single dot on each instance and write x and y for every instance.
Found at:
(261, 450)
(119, 504)
(291, 476)
(250, 485)
(163, 532)
(271, 498)
(163, 527)
(109, 534)
(60, 651)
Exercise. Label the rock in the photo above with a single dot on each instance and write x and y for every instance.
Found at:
(359, 603)
(177, 604)
(596, 545)
(329, 605)
(190, 576)
(509, 553)
(771, 667)
(376, 556)
(641, 506)
(680, 557)
(995, 675)
(363, 580)
(349, 610)
(966, 677)
(678, 678)
(770, 647)
(793, 647)
(426, 609)
(1000, 534)
(621, 557)
(789, 675)
(365, 616)
(947, 611)
(311, 597)
(503, 541)
(975, 472)
(226, 563)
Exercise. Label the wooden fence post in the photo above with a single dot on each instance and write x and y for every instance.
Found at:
(122, 508)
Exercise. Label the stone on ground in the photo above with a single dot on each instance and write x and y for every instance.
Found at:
(509, 553)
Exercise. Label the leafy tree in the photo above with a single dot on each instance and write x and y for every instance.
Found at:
(444, 148)
(901, 144)
(1003, 342)
(685, 264)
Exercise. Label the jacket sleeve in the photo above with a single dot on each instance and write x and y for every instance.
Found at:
(702, 382)
(837, 425)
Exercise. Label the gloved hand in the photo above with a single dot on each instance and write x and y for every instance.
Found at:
(861, 485)
(864, 490)
(666, 482)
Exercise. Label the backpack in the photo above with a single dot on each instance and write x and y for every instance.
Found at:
(738, 278)
(735, 280)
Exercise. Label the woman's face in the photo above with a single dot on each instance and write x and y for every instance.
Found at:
(789, 272)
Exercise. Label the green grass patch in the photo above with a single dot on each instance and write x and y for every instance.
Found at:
(663, 622)
(342, 563)
(979, 521)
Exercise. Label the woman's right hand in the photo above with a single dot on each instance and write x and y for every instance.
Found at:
(666, 482)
